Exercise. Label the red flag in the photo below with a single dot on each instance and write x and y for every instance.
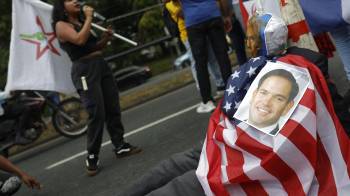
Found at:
(309, 156)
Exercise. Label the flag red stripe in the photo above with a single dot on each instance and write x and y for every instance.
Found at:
(297, 29)
(271, 162)
(308, 100)
(214, 157)
(324, 174)
(234, 168)
(321, 87)
(307, 145)
(236, 173)
(244, 13)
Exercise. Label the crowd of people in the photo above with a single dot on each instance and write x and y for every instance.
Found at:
(203, 26)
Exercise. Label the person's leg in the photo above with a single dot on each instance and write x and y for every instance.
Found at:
(114, 123)
(9, 184)
(237, 38)
(110, 92)
(92, 100)
(216, 34)
(341, 37)
(186, 184)
(214, 69)
(198, 41)
(193, 64)
(86, 79)
(164, 172)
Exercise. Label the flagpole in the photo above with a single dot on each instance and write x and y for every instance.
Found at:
(114, 34)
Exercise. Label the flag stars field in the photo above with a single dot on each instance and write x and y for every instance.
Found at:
(230, 90)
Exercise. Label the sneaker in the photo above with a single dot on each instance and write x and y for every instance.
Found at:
(205, 107)
(92, 163)
(126, 150)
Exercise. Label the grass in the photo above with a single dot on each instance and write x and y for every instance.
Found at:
(161, 65)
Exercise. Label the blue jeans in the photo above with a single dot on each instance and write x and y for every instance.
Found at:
(341, 37)
(212, 65)
(213, 31)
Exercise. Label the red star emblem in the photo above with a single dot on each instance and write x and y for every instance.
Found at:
(50, 37)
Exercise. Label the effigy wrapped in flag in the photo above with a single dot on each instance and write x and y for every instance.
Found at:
(309, 155)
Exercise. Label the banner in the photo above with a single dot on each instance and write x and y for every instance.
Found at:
(36, 60)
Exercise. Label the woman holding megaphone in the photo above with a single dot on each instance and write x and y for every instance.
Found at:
(91, 77)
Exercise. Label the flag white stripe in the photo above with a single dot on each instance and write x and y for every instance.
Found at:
(306, 118)
(298, 162)
(252, 168)
(224, 177)
(203, 169)
(257, 135)
(235, 190)
(314, 187)
(330, 142)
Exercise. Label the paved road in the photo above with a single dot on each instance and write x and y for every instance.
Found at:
(176, 127)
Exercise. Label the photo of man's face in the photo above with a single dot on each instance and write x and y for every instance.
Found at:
(272, 97)
(270, 101)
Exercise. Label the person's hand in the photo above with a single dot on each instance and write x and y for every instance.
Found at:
(30, 181)
(88, 11)
(107, 35)
(227, 23)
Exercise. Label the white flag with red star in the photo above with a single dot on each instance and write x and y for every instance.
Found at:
(36, 60)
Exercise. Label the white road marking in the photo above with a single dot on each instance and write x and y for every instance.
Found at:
(125, 135)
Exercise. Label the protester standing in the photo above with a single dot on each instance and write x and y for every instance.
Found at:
(92, 79)
(174, 8)
(204, 23)
(237, 34)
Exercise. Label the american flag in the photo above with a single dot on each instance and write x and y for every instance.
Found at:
(238, 84)
(309, 156)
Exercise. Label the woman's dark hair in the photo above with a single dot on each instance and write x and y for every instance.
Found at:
(58, 13)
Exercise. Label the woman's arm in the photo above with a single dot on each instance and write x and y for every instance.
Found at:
(10, 167)
(66, 32)
(106, 36)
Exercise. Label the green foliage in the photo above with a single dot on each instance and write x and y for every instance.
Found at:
(139, 4)
(5, 23)
(151, 26)
(4, 56)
